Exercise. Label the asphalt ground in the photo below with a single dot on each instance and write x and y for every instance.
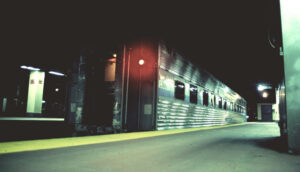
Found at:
(251, 147)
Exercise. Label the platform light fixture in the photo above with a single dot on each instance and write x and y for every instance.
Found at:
(56, 73)
(265, 95)
(29, 68)
(262, 87)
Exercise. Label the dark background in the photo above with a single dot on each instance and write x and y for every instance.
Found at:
(230, 39)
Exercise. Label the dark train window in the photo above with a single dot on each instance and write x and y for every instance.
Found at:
(225, 105)
(205, 98)
(220, 102)
(193, 94)
(179, 90)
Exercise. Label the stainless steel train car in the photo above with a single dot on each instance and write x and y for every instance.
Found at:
(191, 97)
(156, 88)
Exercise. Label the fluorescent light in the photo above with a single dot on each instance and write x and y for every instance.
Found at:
(32, 68)
(56, 73)
(29, 68)
(261, 87)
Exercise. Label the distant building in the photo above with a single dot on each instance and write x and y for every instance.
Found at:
(267, 112)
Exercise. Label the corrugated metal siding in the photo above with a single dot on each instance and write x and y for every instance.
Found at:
(172, 114)
(176, 64)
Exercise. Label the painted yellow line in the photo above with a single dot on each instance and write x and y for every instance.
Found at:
(32, 145)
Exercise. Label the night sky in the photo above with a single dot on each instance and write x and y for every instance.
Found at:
(227, 38)
(230, 39)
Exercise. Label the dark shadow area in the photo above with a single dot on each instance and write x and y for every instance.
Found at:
(30, 130)
(278, 144)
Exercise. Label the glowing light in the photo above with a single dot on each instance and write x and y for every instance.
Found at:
(56, 73)
(265, 94)
(261, 87)
(115, 55)
(29, 68)
(141, 62)
(56, 89)
(112, 60)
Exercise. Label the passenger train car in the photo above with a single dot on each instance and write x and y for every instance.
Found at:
(159, 89)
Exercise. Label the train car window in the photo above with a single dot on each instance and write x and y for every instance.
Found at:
(193, 94)
(205, 98)
(220, 102)
(179, 90)
(225, 105)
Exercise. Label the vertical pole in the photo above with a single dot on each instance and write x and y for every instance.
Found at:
(127, 85)
(122, 92)
(139, 100)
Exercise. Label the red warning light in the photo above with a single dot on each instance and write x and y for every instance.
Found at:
(141, 62)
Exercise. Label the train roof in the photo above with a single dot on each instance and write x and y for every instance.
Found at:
(172, 61)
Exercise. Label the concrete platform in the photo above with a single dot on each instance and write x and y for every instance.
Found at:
(252, 147)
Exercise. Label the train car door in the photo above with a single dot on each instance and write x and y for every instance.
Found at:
(140, 85)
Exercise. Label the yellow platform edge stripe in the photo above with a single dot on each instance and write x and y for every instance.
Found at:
(33, 145)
